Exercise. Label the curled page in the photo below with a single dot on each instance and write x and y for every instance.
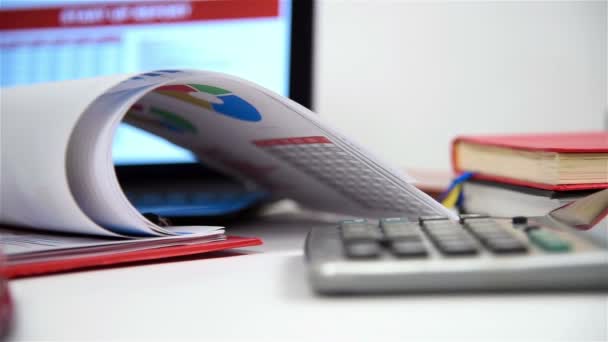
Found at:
(58, 174)
(268, 140)
(37, 122)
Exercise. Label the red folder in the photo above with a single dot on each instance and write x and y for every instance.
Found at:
(582, 142)
(90, 261)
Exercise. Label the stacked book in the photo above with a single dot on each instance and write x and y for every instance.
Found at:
(529, 174)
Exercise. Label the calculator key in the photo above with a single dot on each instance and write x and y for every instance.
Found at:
(392, 220)
(495, 238)
(483, 225)
(402, 237)
(442, 224)
(485, 228)
(519, 220)
(439, 223)
(491, 236)
(548, 241)
(356, 220)
(447, 232)
(362, 249)
(480, 221)
(464, 217)
(449, 235)
(457, 248)
(424, 219)
(488, 229)
(454, 244)
(500, 246)
(443, 229)
(409, 231)
(408, 248)
(452, 239)
(359, 231)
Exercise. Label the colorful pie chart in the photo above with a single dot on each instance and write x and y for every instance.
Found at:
(216, 99)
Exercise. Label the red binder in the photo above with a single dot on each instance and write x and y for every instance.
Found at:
(581, 142)
(90, 261)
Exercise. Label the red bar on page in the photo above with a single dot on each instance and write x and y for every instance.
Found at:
(135, 13)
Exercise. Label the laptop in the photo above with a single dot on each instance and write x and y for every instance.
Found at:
(77, 39)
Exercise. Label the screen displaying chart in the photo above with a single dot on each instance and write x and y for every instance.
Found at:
(42, 41)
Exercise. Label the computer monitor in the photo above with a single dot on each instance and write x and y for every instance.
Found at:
(266, 41)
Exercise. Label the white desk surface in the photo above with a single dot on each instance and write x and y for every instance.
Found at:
(264, 295)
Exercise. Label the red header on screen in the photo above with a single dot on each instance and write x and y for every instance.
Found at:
(135, 13)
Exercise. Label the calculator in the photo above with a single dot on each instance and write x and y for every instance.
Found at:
(438, 254)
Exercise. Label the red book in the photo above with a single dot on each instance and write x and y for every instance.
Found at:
(553, 161)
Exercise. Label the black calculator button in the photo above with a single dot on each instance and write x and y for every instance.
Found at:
(408, 248)
(443, 230)
(397, 231)
(481, 222)
(484, 228)
(457, 248)
(362, 249)
(448, 233)
(442, 226)
(412, 238)
(464, 217)
(488, 230)
(506, 246)
(495, 238)
(519, 220)
(489, 237)
(456, 240)
(359, 231)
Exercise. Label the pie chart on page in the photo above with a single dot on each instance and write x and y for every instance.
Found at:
(216, 99)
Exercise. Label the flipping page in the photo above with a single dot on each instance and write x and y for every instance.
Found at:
(57, 172)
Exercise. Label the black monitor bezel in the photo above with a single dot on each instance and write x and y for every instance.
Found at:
(302, 57)
(300, 90)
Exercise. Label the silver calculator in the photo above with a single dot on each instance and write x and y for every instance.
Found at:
(475, 253)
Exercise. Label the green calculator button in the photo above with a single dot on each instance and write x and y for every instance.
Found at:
(548, 241)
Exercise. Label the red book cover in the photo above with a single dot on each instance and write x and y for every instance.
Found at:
(579, 142)
(582, 142)
(91, 261)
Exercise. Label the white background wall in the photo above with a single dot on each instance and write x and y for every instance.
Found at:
(405, 78)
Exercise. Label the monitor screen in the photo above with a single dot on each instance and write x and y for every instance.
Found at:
(49, 40)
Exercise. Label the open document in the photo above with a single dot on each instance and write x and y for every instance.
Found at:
(57, 172)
